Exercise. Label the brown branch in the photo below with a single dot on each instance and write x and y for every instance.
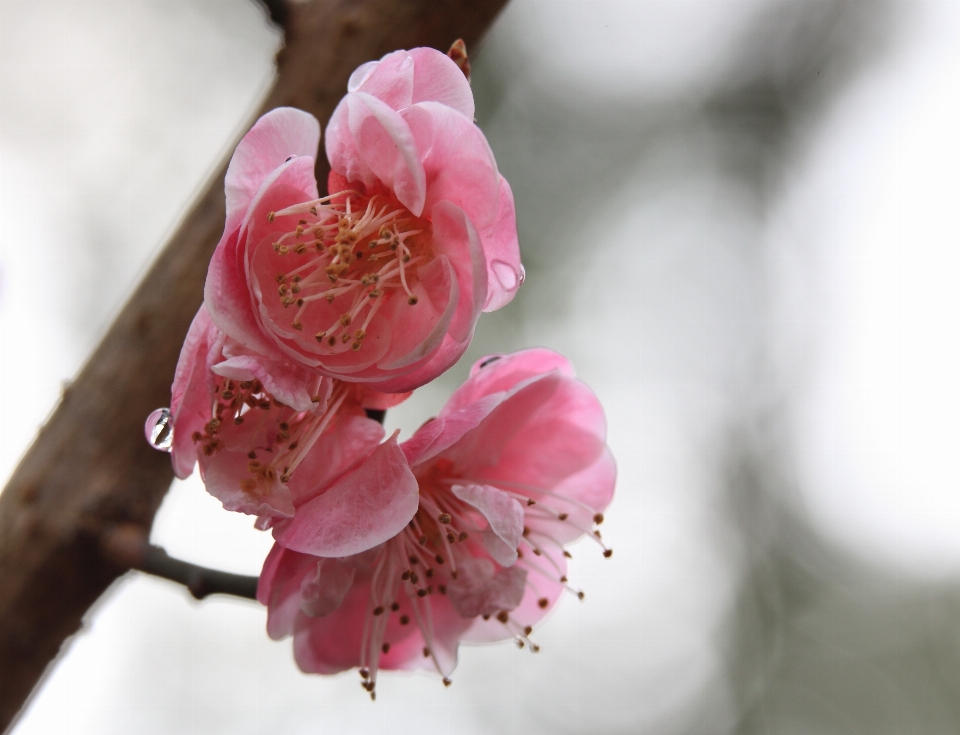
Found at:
(90, 468)
(128, 547)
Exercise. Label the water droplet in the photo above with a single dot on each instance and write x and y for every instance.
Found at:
(159, 429)
(509, 278)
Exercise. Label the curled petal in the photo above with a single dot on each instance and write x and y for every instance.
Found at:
(482, 589)
(284, 381)
(502, 250)
(190, 402)
(503, 513)
(278, 135)
(365, 508)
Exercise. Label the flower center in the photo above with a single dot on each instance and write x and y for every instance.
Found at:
(447, 532)
(275, 437)
(347, 256)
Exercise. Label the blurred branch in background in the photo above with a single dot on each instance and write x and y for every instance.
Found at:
(90, 467)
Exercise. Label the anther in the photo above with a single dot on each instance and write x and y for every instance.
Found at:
(378, 610)
(503, 617)
(426, 652)
(528, 630)
(421, 593)
(567, 554)
(395, 606)
(447, 682)
(598, 518)
(543, 602)
(404, 620)
(439, 559)
(581, 595)
(270, 216)
(385, 648)
(412, 300)
(462, 536)
(563, 516)
(320, 336)
(364, 674)
(607, 553)
(444, 518)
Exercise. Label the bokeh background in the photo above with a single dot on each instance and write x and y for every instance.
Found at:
(738, 218)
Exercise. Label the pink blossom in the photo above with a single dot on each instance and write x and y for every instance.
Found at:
(269, 439)
(382, 281)
(513, 468)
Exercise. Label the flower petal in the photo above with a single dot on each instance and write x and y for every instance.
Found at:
(286, 382)
(502, 251)
(279, 134)
(457, 161)
(279, 588)
(365, 508)
(503, 513)
(481, 589)
(437, 78)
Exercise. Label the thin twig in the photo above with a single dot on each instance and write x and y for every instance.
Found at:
(128, 546)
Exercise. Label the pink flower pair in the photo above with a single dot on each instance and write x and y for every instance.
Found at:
(320, 309)
(483, 499)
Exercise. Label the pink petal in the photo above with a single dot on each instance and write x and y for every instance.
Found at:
(457, 161)
(438, 79)
(444, 358)
(339, 450)
(592, 486)
(365, 508)
(544, 574)
(455, 236)
(229, 293)
(279, 588)
(279, 134)
(373, 140)
(497, 373)
(502, 251)
(323, 591)
(222, 474)
(390, 80)
(503, 513)
(442, 432)
(190, 399)
(481, 589)
(284, 381)
(419, 329)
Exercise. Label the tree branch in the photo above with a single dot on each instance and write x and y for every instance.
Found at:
(90, 468)
(128, 547)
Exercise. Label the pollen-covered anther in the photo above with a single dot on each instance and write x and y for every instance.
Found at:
(445, 518)
(320, 336)
(297, 325)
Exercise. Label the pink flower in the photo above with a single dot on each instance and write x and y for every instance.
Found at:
(382, 281)
(514, 467)
(269, 438)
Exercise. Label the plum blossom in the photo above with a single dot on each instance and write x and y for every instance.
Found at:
(382, 281)
(266, 439)
(513, 468)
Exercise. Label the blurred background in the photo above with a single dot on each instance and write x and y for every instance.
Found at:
(740, 221)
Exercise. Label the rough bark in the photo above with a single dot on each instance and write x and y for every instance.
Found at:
(89, 468)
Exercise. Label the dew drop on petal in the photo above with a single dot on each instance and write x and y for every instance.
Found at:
(159, 429)
(509, 279)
